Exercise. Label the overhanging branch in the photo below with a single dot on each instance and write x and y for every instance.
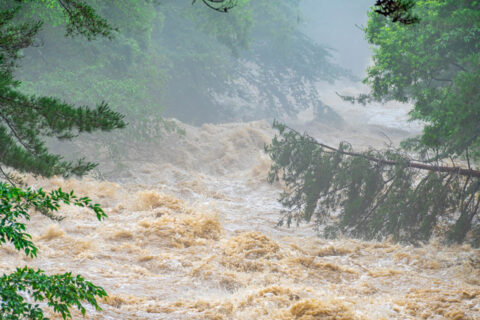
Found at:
(410, 164)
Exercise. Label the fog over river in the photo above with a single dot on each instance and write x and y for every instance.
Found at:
(192, 228)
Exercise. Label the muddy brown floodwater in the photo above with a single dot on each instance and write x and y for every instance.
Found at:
(191, 235)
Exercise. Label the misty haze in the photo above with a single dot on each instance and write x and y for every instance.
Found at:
(240, 159)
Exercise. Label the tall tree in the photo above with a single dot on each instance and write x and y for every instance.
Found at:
(434, 64)
(25, 122)
(202, 60)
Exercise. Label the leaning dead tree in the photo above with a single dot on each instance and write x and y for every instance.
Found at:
(373, 194)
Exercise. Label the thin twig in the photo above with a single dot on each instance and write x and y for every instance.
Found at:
(7, 177)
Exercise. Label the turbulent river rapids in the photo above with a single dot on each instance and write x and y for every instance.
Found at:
(192, 234)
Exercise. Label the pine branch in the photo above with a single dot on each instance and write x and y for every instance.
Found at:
(15, 133)
(410, 164)
(7, 177)
(375, 194)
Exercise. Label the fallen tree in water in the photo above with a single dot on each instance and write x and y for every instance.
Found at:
(372, 194)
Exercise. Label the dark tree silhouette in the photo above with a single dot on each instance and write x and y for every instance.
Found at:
(219, 5)
(398, 10)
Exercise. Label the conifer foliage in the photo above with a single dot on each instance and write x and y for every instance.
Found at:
(372, 194)
(25, 123)
(398, 10)
(433, 62)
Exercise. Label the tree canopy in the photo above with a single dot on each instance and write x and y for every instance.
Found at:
(433, 64)
(397, 10)
(26, 120)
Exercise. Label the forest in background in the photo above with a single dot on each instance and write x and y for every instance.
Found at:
(172, 58)
(427, 56)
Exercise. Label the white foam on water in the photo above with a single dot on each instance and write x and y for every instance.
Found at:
(192, 234)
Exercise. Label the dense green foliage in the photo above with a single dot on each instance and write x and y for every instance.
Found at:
(25, 123)
(60, 291)
(435, 65)
(371, 195)
(26, 120)
(397, 10)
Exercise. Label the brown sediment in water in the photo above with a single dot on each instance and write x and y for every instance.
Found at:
(249, 251)
(183, 230)
(317, 309)
(150, 199)
(194, 243)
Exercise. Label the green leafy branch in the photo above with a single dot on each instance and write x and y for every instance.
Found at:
(60, 291)
(15, 203)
